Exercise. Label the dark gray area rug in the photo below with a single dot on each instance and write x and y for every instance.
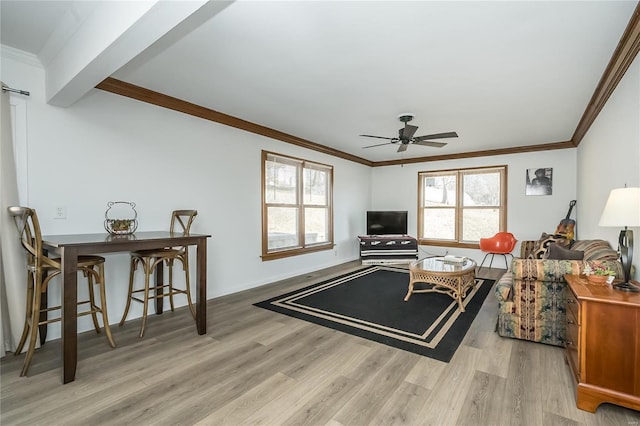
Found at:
(370, 303)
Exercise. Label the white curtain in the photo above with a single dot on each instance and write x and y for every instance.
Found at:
(12, 258)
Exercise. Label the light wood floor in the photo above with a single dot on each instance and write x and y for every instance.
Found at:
(258, 367)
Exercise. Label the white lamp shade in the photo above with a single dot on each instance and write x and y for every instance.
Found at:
(622, 208)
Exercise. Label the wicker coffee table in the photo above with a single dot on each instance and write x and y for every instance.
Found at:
(454, 279)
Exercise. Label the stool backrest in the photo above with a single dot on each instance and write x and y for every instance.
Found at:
(28, 226)
(181, 220)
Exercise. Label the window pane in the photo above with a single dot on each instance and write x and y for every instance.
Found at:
(481, 189)
(280, 183)
(315, 187)
(439, 191)
(283, 227)
(439, 224)
(316, 225)
(479, 223)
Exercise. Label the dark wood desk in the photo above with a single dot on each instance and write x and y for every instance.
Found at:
(69, 247)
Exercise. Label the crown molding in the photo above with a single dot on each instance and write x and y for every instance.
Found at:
(9, 52)
(149, 96)
(132, 91)
(626, 51)
(620, 61)
(484, 153)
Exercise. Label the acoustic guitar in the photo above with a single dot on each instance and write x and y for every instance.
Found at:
(567, 226)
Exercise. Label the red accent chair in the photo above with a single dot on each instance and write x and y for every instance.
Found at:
(502, 243)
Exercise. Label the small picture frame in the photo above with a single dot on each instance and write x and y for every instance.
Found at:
(539, 181)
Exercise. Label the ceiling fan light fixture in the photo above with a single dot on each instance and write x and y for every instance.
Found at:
(406, 136)
(405, 117)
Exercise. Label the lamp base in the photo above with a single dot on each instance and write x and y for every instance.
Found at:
(628, 287)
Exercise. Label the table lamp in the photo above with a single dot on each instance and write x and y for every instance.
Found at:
(623, 209)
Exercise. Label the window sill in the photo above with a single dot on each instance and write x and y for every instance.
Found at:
(453, 244)
(296, 252)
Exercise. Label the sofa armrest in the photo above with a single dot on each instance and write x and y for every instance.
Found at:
(503, 290)
(554, 270)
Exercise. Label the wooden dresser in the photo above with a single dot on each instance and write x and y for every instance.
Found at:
(603, 344)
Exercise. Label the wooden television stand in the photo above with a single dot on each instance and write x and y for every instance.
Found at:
(387, 249)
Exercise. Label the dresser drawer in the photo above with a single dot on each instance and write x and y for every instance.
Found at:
(571, 347)
(572, 308)
(572, 333)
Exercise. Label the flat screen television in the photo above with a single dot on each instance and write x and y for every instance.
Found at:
(386, 223)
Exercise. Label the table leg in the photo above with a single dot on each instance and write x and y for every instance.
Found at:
(201, 290)
(159, 278)
(69, 274)
(409, 291)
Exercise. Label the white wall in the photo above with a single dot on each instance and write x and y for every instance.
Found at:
(609, 157)
(396, 188)
(110, 148)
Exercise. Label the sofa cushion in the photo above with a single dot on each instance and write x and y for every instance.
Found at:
(543, 244)
(560, 253)
(596, 250)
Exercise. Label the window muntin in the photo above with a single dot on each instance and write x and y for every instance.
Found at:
(297, 210)
(458, 207)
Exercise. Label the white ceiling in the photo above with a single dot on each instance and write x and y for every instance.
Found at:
(501, 74)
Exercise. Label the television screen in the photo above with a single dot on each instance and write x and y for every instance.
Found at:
(386, 223)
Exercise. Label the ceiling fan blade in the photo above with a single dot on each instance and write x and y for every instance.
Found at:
(380, 144)
(429, 143)
(403, 147)
(379, 137)
(409, 131)
(437, 136)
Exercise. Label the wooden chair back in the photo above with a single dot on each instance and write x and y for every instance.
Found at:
(28, 226)
(181, 221)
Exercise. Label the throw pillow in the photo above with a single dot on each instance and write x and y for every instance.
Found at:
(545, 240)
(557, 252)
(596, 250)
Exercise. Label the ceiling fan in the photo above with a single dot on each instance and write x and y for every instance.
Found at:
(405, 136)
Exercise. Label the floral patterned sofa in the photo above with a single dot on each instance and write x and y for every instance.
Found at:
(532, 293)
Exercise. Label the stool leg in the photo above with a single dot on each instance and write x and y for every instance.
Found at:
(491, 262)
(89, 274)
(170, 267)
(103, 305)
(35, 314)
(145, 308)
(483, 259)
(132, 270)
(28, 315)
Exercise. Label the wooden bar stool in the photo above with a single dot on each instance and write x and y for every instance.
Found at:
(181, 221)
(40, 270)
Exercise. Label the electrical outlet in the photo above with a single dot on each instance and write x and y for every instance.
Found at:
(60, 213)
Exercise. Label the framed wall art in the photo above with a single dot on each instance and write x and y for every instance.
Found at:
(539, 181)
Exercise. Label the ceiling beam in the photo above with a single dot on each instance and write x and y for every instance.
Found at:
(112, 35)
